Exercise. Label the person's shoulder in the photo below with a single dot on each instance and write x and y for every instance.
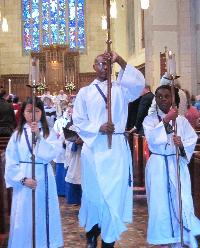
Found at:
(182, 118)
(14, 137)
(85, 88)
(151, 116)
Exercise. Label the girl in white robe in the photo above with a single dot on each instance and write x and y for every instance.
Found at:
(161, 177)
(18, 175)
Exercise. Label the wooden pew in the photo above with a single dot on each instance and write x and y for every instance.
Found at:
(4, 194)
(138, 160)
(194, 168)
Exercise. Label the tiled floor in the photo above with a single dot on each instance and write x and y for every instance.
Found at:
(74, 236)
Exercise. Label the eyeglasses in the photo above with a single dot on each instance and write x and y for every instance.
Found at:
(101, 65)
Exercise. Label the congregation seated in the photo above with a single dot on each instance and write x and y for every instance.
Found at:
(61, 96)
(46, 94)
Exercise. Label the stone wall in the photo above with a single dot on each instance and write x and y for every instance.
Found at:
(12, 61)
(174, 24)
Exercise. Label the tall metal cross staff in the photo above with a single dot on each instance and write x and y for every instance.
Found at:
(172, 75)
(109, 83)
(33, 89)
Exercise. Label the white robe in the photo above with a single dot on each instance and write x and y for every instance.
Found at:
(107, 196)
(161, 221)
(21, 213)
(73, 162)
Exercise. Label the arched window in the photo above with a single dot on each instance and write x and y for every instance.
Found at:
(47, 22)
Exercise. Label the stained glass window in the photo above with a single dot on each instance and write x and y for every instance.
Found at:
(47, 22)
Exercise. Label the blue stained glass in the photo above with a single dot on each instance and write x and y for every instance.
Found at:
(45, 22)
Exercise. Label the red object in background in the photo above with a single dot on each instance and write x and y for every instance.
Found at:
(17, 108)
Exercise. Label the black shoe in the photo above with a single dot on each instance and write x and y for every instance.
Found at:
(107, 245)
(92, 237)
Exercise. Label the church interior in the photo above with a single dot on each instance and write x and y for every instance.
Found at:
(58, 50)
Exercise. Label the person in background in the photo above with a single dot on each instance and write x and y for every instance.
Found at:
(144, 105)
(161, 176)
(132, 113)
(46, 94)
(61, 96)
(197, 103)
(193, 100)
(18, 175)
(7, 116)
(50, 111)
(60, 157)
(106, 174)
(192, 114)
(73, 190)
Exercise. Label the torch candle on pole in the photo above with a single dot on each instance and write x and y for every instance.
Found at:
(171, 64)
(171, 70)
(9, 86)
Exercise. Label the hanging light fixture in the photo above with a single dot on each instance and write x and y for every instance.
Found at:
(104, 22)
(4, 24)
(144, 4)
(113, 14)
(113, 9)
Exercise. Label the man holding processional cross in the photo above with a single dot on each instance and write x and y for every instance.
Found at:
(106, 173)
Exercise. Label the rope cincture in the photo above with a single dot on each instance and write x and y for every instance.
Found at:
(46, 189)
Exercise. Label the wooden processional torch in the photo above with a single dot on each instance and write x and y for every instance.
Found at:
(171, 70)
(109, 71)
(33, 93)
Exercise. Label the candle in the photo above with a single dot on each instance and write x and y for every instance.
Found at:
(171, 64)
(44, 80)
(9, 86)
(66, 78)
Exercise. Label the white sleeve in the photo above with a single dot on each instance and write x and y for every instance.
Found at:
(155, 133)
(13, 171)
(133, 82)
(47, 149)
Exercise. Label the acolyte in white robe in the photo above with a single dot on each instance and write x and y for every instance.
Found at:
(163, 224)
(17, 153)
(73, 162)
(106, 173)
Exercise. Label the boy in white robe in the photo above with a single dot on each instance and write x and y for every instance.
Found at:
(106, 177)
(161, 178)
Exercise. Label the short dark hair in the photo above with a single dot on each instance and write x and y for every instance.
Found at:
(168, 87)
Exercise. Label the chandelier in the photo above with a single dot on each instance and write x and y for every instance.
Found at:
(113, 14)
(113, 9)
(4, 22)
(144, 4)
